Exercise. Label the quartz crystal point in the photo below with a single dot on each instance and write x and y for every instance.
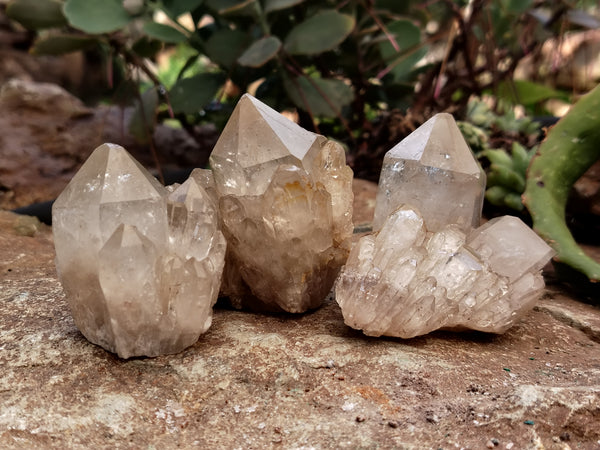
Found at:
(434, 171)
(140, 264)
(285, 201)
(406, 281)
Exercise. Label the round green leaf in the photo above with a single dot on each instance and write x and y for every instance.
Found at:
(146, 47)
(407, 36)
(528, 93)
(96, 16)
(61, 44)
(175, 8)
(36, 14)
(260, 52)
(191, 95)
(225, 46)
(234, 7)
(322, 32)
(275, 5)
(164, 33)
(325, 97)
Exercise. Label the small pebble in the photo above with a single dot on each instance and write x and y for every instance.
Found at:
(489, 444)
(495, 441)
(529, 422)
(360, 418)
(27, 225)
(565, 436)
(393, 424)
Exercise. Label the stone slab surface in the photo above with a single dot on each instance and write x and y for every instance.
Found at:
(282, 381)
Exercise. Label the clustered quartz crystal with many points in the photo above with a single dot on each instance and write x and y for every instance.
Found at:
(140, 264)
(428, 267)
(285, 197)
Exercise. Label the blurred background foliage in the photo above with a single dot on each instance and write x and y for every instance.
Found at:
(364, 72)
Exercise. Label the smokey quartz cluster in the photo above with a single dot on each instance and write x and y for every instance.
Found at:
(285, 199)
(140, 264)
(430, 265)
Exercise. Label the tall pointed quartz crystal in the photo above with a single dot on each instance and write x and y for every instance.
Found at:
(140, 265)
(285, 199)
(434, 171)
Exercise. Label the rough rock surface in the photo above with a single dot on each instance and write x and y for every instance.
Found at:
(281, 381)
(46, 134)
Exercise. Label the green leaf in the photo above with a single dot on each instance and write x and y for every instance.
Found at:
(527, 93)
(96, 16)
(164, 33)
(146, 47)
(408, 37)
(225, 46)
(516, 7)
(61, 43)
(395, 6)
(276, 5)
(338, 94)
(260, 52)
(141, 124)
(175, 8)
(498, 157)
(191, 95)
(322, 32)
(224, 7)
(36, 14)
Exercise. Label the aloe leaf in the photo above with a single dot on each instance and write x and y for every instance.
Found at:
(569, 149)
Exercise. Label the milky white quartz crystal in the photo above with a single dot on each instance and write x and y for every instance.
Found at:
(429, 265)
(140, 264)
(433, 170)
(406, 281)
(285, 200)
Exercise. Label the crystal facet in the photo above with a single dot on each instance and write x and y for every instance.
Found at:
(140, 264)
(406, 281)
(285, 200)
(434, 171)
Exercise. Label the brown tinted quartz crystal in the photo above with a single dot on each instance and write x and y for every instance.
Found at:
(140, 264)
(285, 200)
